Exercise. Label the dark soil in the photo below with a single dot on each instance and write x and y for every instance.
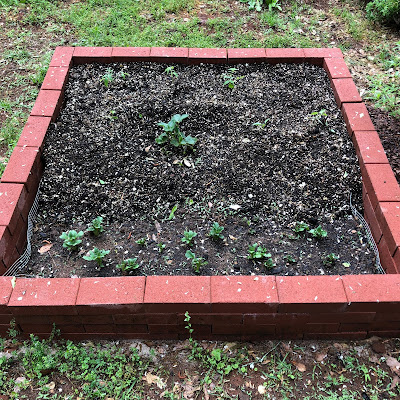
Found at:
(256, 181)
(388, 128)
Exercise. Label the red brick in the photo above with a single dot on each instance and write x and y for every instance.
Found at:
(369, 148)
(124, 54)
(11, 256)
(92, 335)
(5, 293)
(160, 329)
(208, 319)
(169, 54)
(236, 56)
(24, 167)
(260, 329)
(388, 215)
(4, 330)
(5, 318)
(43, 328)
(278, 56)
(354, 327)
(232, 329)
(48, 104)
(177, 294)
(290, 319)
(345, 91)
(372, 292)
(163, 319)
(211, 56)
(311, 294)
(110, 295)
(385, 326)
(62, 57)
(20, 235)
(336, 336)
(356, 117)
(56, 78)
(346, 317)
(243, 294)
(12, 198)
(336, 68)
(396, 259)
(5, 241)
(3, 267)
(83, 55)
(386, 258)
(321, 327)
(370, 216)
(381, 184)
(364, 191)
(386, 317)
(44, 296)
(34, 132)
(317, 55)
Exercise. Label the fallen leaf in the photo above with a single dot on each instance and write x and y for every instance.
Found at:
(300, 366)
(205, 391)
(261, 389)
(320, 356)
(51, 385)
(393, 364)
(395, 382)
(45, 248)
(154, 379)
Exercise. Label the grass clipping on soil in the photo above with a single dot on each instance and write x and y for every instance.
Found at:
(271, 149)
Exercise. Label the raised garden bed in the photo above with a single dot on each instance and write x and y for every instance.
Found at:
(221, 306)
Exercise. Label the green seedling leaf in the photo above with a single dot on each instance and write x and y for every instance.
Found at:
(172, 213)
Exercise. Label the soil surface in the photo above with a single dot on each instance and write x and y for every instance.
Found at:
(270, 152)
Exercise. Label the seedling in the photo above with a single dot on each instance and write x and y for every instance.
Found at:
(96, 255)
(188, 237)
(113, 115)
(161, 247)
(96, 227)
(318, 232)
(259, 253)
(301, 227)
(128, 265)
(289, 258)
(71, 239)
(330, 259)
(142, 241)
(172, 133)
(230, 78)
(172, 213)
(108, 77)
(171, 71)
(197, 262)
(261, 125)
(216, 231)
(319, 116)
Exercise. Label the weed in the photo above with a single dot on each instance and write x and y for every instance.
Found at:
(384, 11)
(71, 239)
(230, 78)
(216, 231)
(96, 226)
(108, 77)
(301, 227)
(330, 259)
(289, 258)
(318, 232)
(257, 4)
(319, 117)
(129, 265)
(142, 241)
(172, 213)
(112, 115)
(173, 135)
(197, 262)
(171, 71)
(188, 237)
(96, 255)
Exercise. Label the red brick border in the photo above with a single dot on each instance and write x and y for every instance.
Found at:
(228, 307)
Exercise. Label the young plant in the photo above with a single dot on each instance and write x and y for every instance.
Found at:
(261, 125)
(301, 227)
(71, 239)
(161, 247)
(129, 265)
(197, 262)
(216, 231)
(96, 226)
(318, 232)
(330, 259)
(188, 237)
(319, 116)
(230, 78)
(259, 253)
(257, 4)
(172, 133)
(289, 258)
(171, 71)
(142, 241)
(96, 255)
(107, 78)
